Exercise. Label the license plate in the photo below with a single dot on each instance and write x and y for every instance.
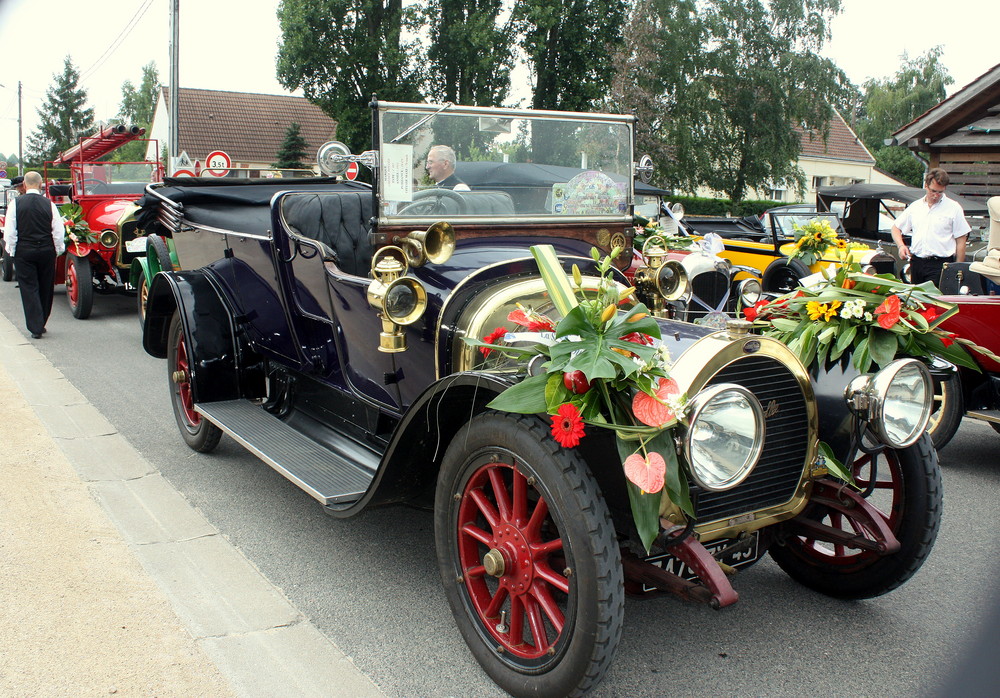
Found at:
(735, 558)
(136, 245)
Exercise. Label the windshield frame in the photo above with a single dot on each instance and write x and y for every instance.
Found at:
(624, 182)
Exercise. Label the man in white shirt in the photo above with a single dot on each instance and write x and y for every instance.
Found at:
(937, 228)
(34, 236)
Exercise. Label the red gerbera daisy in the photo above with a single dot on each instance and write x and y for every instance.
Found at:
(492, 338)
(567, 425)
(541, 326)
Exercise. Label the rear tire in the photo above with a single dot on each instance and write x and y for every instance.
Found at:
(908, 493)
(528, 555)
(141, 297)
(197, 432)
(783, 275)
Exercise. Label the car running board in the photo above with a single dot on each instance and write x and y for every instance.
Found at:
(324, 474)
(985, 415)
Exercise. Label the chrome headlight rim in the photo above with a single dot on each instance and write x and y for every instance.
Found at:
(750, 291)
(867, 398)
(696, 408)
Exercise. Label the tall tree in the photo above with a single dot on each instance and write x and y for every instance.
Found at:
(62, 117)
(732, 80)
(471, 52)
(293, 150)
(342, 52)
(138, 104)
(569, 44)
(891, 103)
(137, 108)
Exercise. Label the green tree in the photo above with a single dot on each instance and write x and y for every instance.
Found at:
(62, 117)
(891, 103)
(569, 44)
(342, 52)
(471, 52)
(136, 109)
(729, 82)
(293, 150)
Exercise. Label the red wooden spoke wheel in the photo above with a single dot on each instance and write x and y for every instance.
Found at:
(904, 485)
(528, 554)
(198, 433)
(514, 566)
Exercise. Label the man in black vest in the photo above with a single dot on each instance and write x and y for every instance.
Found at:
(34, 236)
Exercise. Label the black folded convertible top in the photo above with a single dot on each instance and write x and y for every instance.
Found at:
(893, 192)
(230, 204)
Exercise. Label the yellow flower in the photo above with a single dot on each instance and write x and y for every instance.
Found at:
(831, 311)
(815, 309)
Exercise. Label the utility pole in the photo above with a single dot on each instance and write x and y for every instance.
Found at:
(173, 136)
(20, 144)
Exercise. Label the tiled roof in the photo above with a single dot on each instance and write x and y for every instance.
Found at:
(249, 127)
(841, 144)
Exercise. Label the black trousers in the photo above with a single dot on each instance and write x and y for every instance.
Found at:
(35, 270)
(927, 269)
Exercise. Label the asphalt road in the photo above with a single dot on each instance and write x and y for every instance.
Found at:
(371, 583)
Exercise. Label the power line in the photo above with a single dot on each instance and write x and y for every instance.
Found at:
(117, 41)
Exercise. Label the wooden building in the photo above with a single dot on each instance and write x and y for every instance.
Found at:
(962, 136)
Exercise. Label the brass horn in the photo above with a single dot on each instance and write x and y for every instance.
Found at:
(436, 244)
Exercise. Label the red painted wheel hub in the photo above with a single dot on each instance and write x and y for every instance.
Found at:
(513, 561)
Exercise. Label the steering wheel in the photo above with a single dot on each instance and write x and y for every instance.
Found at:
(429, 202)
(97, 185)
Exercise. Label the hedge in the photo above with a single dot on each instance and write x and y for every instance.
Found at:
(700, 206)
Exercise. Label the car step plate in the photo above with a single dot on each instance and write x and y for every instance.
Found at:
(324, 474)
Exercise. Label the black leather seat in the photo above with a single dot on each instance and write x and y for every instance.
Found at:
(339, 220)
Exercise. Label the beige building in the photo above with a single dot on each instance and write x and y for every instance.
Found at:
(248, 127)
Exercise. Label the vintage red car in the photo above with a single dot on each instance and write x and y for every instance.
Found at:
(971, 394)
(106, 192)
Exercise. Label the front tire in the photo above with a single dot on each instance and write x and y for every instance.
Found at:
(79, 286)
(141, 298)
(528, 556)
(197, 432)
(907, 490)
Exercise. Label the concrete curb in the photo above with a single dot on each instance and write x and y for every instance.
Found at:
(258, 640)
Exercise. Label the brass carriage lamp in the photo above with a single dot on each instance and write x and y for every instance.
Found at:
(400, 299)
(662, 279)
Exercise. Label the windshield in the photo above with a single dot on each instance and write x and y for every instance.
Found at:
(456, 161)
(102, 178)
(785, 223)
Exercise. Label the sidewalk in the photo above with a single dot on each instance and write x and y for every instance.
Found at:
(112, 584)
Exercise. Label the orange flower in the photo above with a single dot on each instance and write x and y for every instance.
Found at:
(888, 312)
(647, 473)
(651, 410)
(849, 283)
(567, 425)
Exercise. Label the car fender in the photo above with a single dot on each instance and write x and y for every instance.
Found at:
(139, 269)
(221, 364)
(418, 443)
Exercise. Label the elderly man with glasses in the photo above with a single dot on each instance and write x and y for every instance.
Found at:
(937, 229)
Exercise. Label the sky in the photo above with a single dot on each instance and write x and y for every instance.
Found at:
(232, 44)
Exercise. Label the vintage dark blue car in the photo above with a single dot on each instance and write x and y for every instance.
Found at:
(322, 325)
